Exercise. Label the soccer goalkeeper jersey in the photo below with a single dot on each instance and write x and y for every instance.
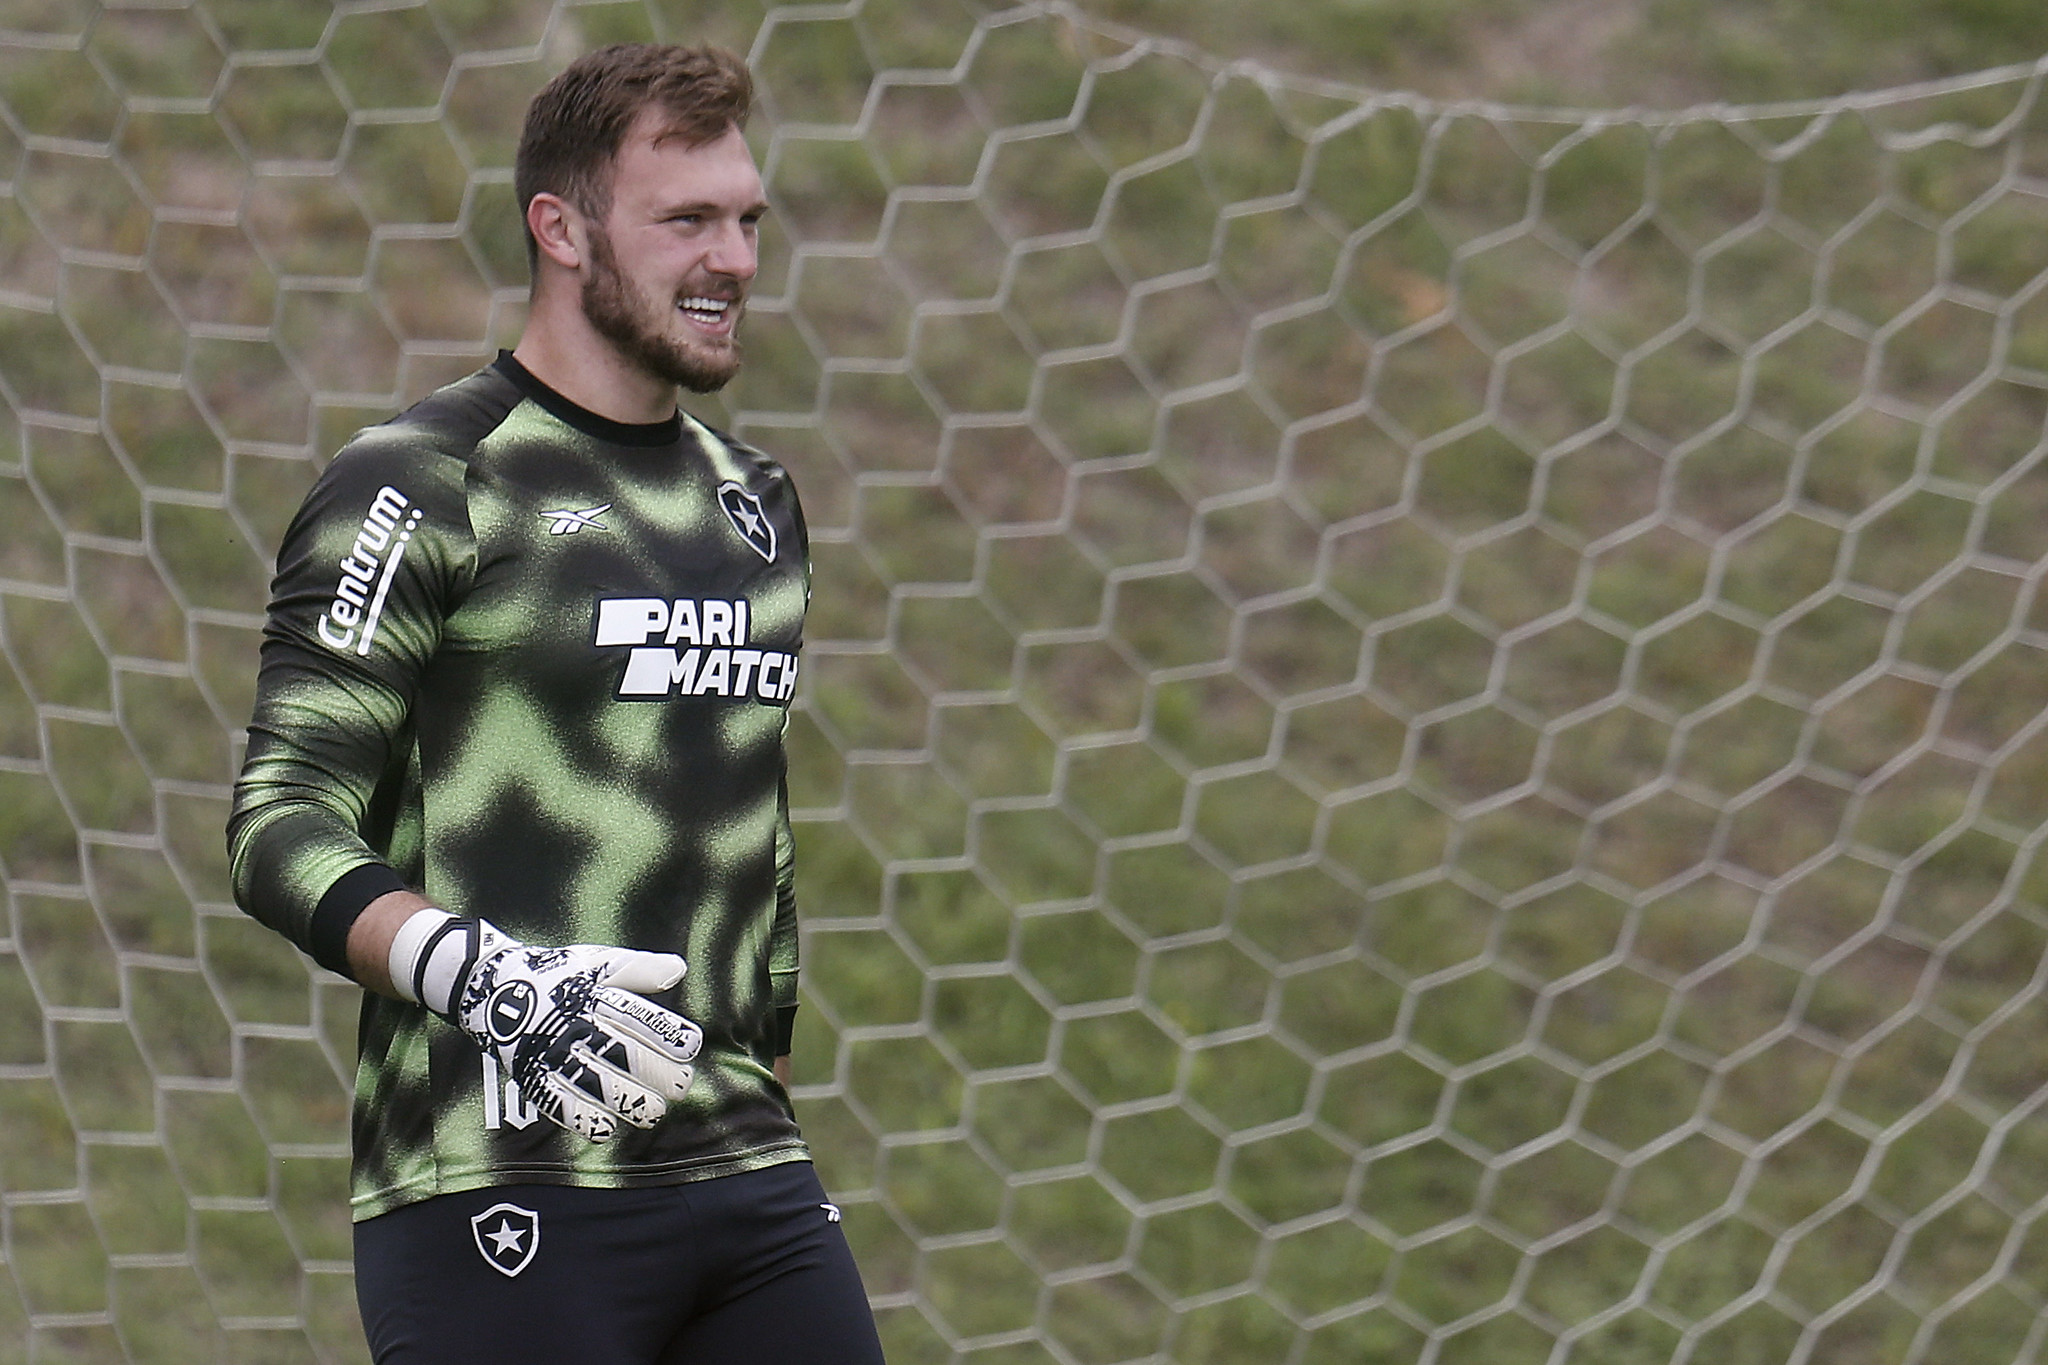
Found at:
(536, 665)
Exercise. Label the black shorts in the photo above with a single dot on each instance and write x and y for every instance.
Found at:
(750, 1267)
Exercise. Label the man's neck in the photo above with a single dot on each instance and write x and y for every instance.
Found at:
(572, 358)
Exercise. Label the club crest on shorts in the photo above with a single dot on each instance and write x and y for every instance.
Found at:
(507, 1235)
(748, 519)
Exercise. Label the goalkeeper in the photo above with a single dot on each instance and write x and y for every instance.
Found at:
(516, 766)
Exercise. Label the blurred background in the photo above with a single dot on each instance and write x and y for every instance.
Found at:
(1423, 729)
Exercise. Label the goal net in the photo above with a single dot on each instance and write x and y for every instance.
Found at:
(1423, 730)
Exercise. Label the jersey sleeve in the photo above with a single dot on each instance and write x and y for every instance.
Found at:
(782, 937)
(379, 555)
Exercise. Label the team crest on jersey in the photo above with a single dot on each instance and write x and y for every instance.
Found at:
(508, 1236)
(748, 519)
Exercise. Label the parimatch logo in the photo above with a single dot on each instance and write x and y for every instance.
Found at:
(691, 647)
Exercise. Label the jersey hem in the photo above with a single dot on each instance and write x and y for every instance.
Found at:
(364, 1207)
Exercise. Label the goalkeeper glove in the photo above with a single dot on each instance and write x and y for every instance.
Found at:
(565, 1023)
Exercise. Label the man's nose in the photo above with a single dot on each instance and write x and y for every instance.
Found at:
(735, 253)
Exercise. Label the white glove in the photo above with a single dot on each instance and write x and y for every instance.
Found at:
(564, 1022)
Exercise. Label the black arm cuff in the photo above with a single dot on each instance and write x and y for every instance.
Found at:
(336, 914)
(785, 1028)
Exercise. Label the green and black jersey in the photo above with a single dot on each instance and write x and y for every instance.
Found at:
(536, 665)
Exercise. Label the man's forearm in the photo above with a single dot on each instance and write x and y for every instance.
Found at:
(369, 938)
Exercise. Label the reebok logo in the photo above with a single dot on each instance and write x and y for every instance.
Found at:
(691, 648)
(567, 521)
(350, 621)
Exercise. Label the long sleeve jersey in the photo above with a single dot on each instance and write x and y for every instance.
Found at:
(536, 665)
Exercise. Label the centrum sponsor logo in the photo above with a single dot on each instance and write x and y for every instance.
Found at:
(350, 621)
(691, 647)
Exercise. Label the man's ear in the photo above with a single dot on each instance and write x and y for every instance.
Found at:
(559, 231)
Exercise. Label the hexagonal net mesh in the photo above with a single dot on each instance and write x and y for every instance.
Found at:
(1423, 733)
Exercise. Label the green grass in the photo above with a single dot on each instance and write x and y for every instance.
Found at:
(1661, 53)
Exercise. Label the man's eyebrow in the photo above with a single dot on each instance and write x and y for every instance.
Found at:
(758, 208)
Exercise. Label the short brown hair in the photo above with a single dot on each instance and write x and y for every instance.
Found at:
(577, 123)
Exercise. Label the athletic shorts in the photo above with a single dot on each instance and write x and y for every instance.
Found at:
(750, 1267)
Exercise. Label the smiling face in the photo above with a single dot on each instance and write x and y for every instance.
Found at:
(670, 264)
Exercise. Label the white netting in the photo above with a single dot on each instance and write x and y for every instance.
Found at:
(1423, 727)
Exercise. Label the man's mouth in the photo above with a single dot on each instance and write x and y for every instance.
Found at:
(713, 315)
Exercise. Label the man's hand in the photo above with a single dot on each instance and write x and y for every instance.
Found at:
(566, 1023)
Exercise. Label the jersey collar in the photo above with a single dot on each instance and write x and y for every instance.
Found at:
(663, 433)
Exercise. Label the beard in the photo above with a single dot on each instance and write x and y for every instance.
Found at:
(645, 333)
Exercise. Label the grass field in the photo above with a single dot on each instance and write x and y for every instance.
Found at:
(1422, 728)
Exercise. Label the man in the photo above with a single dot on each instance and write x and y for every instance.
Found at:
(516, 766)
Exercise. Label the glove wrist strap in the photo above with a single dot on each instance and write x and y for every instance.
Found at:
(432, 955)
